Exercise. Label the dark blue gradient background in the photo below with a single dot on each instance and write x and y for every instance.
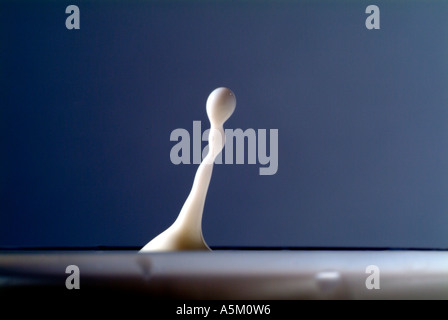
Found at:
(86, 117)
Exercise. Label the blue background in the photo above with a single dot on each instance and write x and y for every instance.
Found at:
(86, 117)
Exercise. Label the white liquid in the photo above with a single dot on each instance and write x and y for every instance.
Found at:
(186, 232)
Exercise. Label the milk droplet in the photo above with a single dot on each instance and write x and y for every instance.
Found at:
(186, 232)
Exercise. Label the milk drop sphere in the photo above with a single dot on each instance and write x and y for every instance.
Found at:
(220, 106)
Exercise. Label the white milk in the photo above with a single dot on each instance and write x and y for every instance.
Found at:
(186, 232)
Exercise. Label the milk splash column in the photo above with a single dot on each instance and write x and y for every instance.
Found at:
(186, 232)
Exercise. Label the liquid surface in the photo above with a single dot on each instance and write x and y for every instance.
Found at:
(186, 232)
